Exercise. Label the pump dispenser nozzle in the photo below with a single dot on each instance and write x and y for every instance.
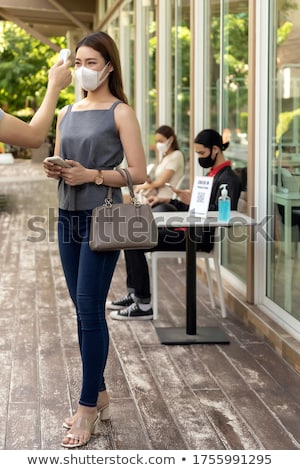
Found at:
(224, 204)
(224, 191)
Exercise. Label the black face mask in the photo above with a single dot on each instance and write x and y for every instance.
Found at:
(206, 162)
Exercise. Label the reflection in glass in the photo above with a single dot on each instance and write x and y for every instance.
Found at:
(284, 163)
(228, 100)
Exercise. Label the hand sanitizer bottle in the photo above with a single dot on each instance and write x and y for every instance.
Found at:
(224, 204)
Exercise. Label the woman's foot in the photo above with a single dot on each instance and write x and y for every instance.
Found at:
(84, 425)
(102, 409)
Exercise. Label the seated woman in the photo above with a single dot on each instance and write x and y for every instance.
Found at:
(209, 149)
(170, 168)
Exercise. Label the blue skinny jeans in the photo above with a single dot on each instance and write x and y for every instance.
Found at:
(88, 276)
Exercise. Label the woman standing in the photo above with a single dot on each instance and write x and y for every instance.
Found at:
(92, 135)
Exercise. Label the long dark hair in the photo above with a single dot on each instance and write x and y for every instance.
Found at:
(106, 46)
(168, 132)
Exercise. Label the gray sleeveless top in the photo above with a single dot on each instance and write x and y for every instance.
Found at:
(1, 114)
(90, 138)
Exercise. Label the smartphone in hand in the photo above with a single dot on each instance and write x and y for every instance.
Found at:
(56, 160)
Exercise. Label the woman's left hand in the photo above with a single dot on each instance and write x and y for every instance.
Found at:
(76, 175)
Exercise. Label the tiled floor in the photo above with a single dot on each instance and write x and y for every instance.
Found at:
(236, 396)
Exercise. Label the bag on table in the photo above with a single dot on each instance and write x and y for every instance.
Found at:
(123, 226)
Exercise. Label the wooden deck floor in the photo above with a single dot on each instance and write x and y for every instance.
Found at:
(237, 396)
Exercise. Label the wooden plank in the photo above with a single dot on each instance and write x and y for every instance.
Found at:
(274, 396)
(237, 331)
(23, 428)
(280, 370)
(194, 373)
(24, 380)
(5, 374)
(116, 380)
(182, 403)
(153, 410)
(257, 414)
(54, 398)
(127, 430)
(228, 425)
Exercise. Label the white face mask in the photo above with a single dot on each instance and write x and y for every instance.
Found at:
(163, 147)
(90, 79)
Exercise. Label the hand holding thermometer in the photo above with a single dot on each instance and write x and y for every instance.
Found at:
(64, 54)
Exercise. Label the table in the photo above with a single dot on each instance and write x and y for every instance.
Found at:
(288, 201)
(191, 334)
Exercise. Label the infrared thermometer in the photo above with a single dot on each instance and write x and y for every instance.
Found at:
(64, 54)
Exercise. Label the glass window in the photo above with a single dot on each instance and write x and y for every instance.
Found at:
(173, 69)
(138, 58)
(127, 48)
(180, 76)
(283, 262)
(113, 29)
(227, 101)
(146, 88)
(121, 29)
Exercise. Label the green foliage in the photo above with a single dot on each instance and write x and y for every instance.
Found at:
(25, 62)
(235, 62)
(244, 121)
(283, 32)
(182, 36)
(285, 122)
(235, 47)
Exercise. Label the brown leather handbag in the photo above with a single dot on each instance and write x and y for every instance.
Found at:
(123, 226)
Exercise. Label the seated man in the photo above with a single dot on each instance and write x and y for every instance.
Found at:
(209, 148)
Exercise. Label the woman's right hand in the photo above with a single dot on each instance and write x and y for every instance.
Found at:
(60, 75)
(51, 170)
(154, 200)
(184, 195)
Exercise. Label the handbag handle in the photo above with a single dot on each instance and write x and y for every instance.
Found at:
(127, 176)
